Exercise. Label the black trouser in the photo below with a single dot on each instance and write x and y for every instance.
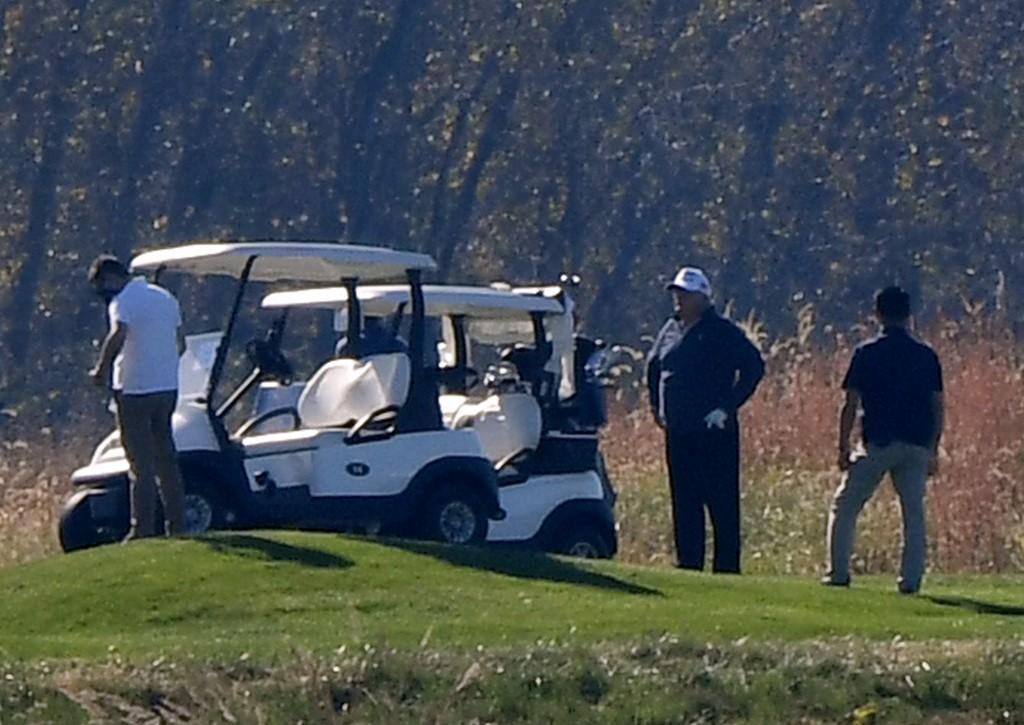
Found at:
(704, 471)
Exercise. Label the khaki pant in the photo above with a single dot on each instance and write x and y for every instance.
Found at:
(908, 466)
(145, 425)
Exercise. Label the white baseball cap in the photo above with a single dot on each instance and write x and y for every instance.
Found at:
(691, 279)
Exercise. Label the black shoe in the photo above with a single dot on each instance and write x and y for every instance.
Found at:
(689, 567)
(830, 582)
(907, 589)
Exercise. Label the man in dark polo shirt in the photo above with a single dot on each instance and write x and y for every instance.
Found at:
(897, 381)
(700, 371)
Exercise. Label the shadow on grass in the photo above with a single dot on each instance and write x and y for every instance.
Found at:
(271, 550)
(519, 564)
(978, 606)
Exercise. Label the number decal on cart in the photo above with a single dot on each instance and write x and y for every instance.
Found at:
(358, 469)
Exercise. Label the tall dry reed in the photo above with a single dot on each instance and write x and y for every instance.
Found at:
(975, 504)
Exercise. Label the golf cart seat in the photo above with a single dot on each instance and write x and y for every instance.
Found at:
(450, 404)
(345, 391)
(507, 424)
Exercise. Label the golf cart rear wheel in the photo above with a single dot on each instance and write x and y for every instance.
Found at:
(585, 542)
(455, 515)
(201, 513)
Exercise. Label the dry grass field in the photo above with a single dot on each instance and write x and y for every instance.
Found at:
(976, 504)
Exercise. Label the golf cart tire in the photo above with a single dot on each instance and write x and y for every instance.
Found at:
(76, 529)
(447, 513)
(202, 485)
(583, 540)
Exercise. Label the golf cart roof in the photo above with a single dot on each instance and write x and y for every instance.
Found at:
(296, 261)
(441, 300)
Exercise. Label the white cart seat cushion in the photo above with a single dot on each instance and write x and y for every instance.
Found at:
(344, 391)
(450, 405)
(506, 424)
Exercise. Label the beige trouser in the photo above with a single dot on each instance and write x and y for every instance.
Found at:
(145, 425)
(908, 466)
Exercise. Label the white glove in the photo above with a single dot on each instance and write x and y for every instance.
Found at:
(716, 419)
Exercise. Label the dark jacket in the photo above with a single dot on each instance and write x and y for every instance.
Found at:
(714, 365)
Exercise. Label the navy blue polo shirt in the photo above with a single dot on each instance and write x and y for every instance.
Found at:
(896, 377)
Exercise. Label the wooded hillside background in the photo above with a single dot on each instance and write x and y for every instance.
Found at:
(805, 153)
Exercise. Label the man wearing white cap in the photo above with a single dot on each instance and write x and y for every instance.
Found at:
(701, 369)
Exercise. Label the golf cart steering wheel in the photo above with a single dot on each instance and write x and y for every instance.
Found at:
(266, 356)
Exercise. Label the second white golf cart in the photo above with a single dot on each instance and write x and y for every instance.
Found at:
(367, 449)
(529, 408)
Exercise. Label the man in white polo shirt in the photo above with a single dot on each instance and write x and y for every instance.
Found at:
(139, 360)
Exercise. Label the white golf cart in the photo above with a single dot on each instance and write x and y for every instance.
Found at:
(526, 408)
(366, 448)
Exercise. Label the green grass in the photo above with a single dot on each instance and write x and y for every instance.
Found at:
(288, 627)
(269, 594)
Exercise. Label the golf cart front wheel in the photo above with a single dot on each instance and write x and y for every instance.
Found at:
(585, 542)
(456, 516)
(77, 530)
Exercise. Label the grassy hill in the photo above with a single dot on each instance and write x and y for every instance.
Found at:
(271, 593)
(416, 631)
